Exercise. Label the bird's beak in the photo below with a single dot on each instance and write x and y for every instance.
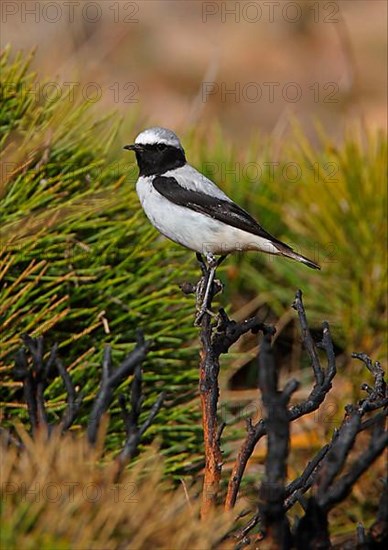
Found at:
(132, 147)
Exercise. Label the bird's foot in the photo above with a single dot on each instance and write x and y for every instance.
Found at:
(201, 262)
(212, 261)
(203, 297)
(200, 290)
(201, 313)
(207, 287)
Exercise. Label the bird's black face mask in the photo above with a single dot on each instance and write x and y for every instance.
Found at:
(157, 158)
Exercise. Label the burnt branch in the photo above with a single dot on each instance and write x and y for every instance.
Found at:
(339, 491)
(216, 338)
(329, 487)
(323, 382)
(307, 339)
(33, 370)
(329, 493)
(377, 395)
(323, 476)
(378, 533)
(209, 392)
(134, 431)
(74, 399)
(228, 332)
(34, 375)
(295, 490)
(111, 379)
(272, 491)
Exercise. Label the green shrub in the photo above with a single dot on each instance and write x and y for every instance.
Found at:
(80, 264)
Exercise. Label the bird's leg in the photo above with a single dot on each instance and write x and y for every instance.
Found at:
(212, 264)
(205, 288)
(221, 259)
(200, 289)
(201, 263)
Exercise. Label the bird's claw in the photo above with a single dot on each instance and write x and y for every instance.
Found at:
(208, 286)
(200, 314)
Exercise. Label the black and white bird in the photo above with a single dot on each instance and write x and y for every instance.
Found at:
(191, 210)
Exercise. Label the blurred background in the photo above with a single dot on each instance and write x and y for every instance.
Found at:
(246, 65)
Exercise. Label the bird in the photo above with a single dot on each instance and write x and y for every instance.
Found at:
(191, 210)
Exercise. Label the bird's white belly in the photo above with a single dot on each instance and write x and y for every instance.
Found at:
(193, 229)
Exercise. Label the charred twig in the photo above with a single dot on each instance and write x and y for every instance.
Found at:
(360, 536)
(341, 489)
(74, 400)
(314, 526)
(300, 485)
(328, 487)
(111, 378)
(378, 533)
(272, 490)
(307, 339)
(242, 535)
(134, 432)
(35, 380)
(329, 493)
(254, 434)
(323, 380)
(229, 331)
(377, 396)
(343, 441)
(35, 375)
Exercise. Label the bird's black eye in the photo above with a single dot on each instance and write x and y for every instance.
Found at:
(160, 146)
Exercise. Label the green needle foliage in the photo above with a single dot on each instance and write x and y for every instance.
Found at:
(80, 264)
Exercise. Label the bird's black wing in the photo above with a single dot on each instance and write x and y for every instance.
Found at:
(218, 209)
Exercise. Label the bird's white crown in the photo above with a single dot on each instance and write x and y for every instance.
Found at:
(151, 136)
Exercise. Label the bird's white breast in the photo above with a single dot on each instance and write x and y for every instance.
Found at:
(179, 224)
(192, 229)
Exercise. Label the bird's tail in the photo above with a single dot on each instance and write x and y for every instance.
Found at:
(289, 253)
